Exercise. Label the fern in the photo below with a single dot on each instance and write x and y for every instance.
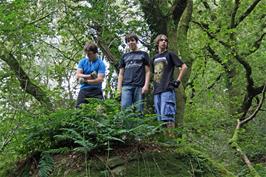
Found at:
(77, 138)
(98, 124)
(58, 150)
(46, 165)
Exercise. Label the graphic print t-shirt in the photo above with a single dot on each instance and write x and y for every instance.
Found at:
(134, 64)
(163, 68)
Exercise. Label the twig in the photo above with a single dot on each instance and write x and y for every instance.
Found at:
(256, 45)
(257, 109)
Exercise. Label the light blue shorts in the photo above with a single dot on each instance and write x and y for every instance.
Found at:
(165, 106)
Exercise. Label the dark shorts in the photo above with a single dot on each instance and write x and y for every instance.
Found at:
(86, 93)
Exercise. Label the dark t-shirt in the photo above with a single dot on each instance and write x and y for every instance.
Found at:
(134, 64)
(163, 68)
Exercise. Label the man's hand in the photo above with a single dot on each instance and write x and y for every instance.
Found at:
(81, 80)
(93, 75)
(144, 89)
(175, 84)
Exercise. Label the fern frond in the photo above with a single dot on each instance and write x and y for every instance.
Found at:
(46, 165)
(62, 150)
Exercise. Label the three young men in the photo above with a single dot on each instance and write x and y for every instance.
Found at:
(90, 72)
(134, 77)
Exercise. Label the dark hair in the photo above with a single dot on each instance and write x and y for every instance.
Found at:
(90, 47)
(131, 36)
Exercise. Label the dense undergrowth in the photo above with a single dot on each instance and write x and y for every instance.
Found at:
(99, 131)
(210, 127)
(98, 126)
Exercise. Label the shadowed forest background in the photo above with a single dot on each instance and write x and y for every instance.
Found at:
(221, 120)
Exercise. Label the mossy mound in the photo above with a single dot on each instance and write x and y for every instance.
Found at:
(168, 162)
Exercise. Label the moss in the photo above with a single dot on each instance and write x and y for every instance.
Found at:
(170, 162)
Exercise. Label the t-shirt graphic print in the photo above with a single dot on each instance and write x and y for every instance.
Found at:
(163, 68)
(159, 67)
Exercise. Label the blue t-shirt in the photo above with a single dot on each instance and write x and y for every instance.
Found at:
(88, 67)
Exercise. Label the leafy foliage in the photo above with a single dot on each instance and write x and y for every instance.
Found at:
(98, 125)
(46, 39)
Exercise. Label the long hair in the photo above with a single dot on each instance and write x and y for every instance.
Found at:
(157, 39)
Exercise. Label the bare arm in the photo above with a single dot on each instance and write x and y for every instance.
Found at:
(182, 72)
(99, 79)
(79, 74)
(120, 79)
(145, 88)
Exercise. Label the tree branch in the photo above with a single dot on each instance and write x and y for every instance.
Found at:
(250, 86)
(247, 12)
(57, 49)
(253, 115)
(234, 139)
(216, 80)
(215, 3)
(180, 41)
(251, 90)
(154, 16)
(206, 5)
(234, 12)
(258, 90)
(107, 53)
(205, 28)
(76, 39)
(247, 67)
(104, 47)
(40, 19)
(217, 58)
(177, 10)
(256, 45)
(25, 83)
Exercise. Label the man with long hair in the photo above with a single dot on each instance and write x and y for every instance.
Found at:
(164, 63)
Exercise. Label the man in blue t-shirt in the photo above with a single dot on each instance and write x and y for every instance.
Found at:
(134, 75)
(90, 73)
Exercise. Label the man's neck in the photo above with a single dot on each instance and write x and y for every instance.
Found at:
(92, 60)
(162, 50)
(134, 50)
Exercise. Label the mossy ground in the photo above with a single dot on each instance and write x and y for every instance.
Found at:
(163, 162)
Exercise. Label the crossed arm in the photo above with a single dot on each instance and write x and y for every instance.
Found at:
(88, 78)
